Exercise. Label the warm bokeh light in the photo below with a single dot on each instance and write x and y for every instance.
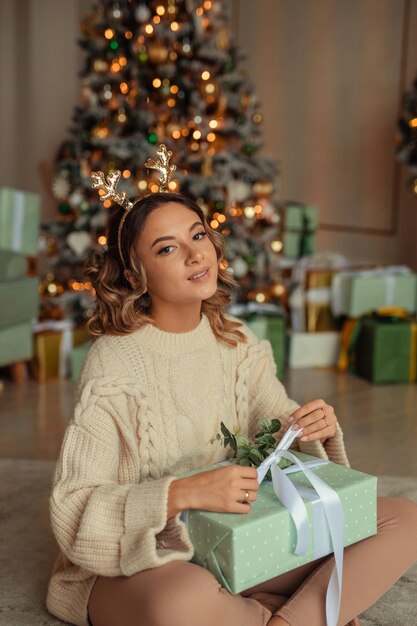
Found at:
(211, 137)
(124, 87)
(276, 245)
(176, 134)
(126, 173)
(174, 26)
(148, 29)
(142, 185)
(102, 240)
(213, 123)
(160, 9)
(214, 224)
(197, 134)
(205, 75)
(157, 83)
(109, 33)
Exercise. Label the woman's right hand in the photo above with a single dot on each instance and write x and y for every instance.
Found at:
(223, 490)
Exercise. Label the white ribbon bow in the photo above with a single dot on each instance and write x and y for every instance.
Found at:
(287, 493)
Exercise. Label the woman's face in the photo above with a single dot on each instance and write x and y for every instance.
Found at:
(179, 259)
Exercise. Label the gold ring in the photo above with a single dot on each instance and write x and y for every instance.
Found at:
(247, 495)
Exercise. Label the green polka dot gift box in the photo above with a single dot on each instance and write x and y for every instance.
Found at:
(244, 550)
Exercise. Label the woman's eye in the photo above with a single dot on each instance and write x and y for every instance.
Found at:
(200, 235)
(165, 250)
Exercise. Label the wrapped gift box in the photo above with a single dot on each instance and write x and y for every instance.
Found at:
(298, 230)
(313, 349)
(386, 350)
(356, 293)
(19, 221)
(53, 344)
(266, 321)
(244, 550)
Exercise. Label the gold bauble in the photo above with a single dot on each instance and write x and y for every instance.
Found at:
(262, 189)
(100, 65)
(157, 52)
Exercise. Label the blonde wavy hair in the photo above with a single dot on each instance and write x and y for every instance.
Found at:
(122, 308)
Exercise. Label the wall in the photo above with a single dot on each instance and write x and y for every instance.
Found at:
(329, 74)
(39, 65)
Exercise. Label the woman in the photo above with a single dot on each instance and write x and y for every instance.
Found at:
(167, 368)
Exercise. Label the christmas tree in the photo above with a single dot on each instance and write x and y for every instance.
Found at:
(407, 138)
(156, 72)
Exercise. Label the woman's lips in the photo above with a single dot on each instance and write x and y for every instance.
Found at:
(199, 276)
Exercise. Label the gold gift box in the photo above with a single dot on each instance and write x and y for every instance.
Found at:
(45, 364)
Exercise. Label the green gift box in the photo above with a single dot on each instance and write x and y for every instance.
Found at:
(298, 230)
(354, 294)
(273, 329)
(267, 322)
(386, 350)
(244, 550)
(19, 221)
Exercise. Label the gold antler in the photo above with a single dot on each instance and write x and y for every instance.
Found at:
(109, 185)
(162, 164)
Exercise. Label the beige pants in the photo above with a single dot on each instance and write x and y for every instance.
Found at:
(184, 594)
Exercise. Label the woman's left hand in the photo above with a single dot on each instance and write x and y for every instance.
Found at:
(316, 418)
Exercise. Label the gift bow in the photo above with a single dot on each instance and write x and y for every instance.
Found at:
(287, 493)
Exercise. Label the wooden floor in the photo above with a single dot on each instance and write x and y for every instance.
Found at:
(379, 421)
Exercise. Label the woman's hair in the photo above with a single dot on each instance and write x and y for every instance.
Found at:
(121, 307)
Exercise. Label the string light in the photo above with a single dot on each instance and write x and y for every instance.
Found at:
(160, 9)
(128, 34)
(276, 245)
(142, 185)
(174, 89)
(176, 134)
(102, 240)
(124, 87)
(199, 11)
(205, 75)
(171, 102)
(126, 173)
(156, 82)
(413, 122)
(213, 123)
(197, 134)
(174, 26)
(107, 204)
(149, 29)
(214, 224)
(211, 137)
(156, 19)
(109, 33)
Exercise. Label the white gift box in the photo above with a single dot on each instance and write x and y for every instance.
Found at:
(314, 349)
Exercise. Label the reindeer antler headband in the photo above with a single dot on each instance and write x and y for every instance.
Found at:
(109, 186)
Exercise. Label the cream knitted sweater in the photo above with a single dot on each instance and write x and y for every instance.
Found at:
(149, 404)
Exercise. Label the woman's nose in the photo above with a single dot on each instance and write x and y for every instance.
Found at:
(194, 256)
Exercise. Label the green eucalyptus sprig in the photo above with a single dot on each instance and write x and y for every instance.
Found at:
(252, 453)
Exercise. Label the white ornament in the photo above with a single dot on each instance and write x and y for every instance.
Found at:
(240, 267)
(76, 198)
(79, 241)
(142, 13)
(60, 188)
(237, 191)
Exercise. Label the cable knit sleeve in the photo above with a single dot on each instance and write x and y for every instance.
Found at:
(261, 395)
(108, 504)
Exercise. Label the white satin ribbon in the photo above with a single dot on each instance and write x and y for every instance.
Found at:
(18, 218)
(293, 502)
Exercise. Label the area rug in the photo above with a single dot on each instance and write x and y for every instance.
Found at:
(27, 550)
